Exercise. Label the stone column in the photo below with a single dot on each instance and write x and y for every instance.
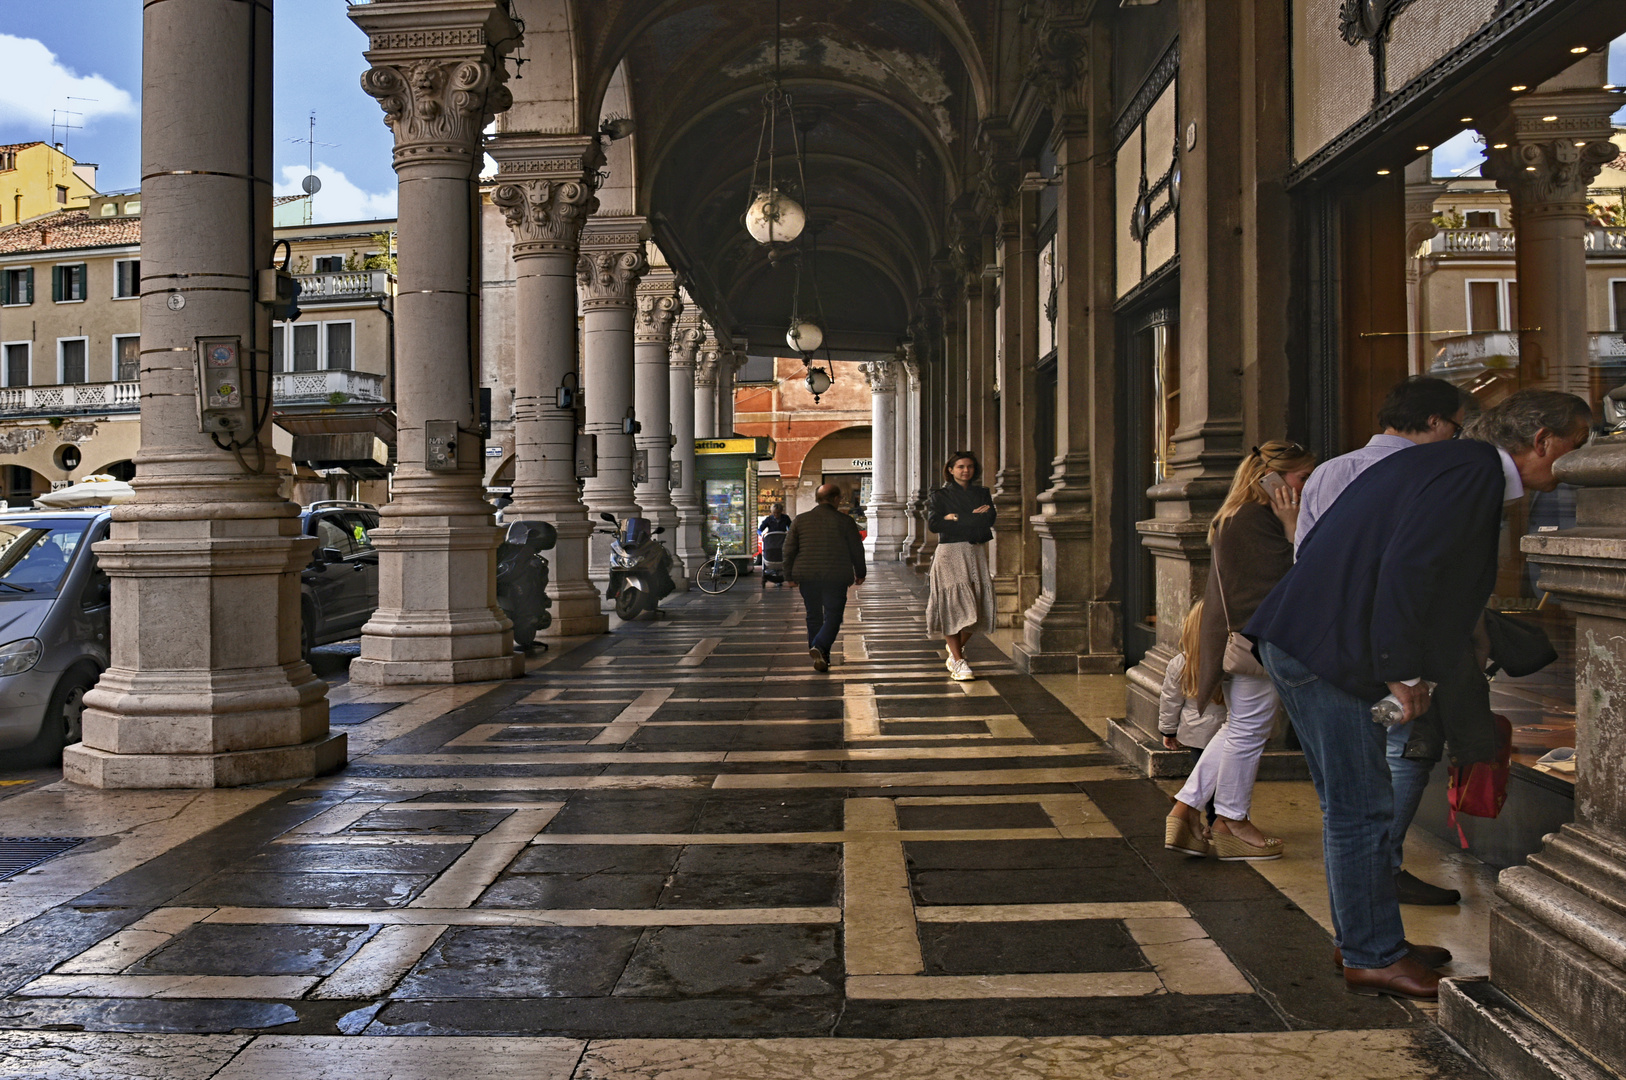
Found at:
(705, 386)
(1545, 148)
(728, 369)
(658, 306)
(545, 191)
(440, 81)
(907, 446)
(607, 273)
(198, 696)
(885, 510)
(930, 400)
(1074, 623)
(1556, 992)
(686, 339)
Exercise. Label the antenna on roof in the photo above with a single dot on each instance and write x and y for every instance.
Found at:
(310, 185)
(65, 124)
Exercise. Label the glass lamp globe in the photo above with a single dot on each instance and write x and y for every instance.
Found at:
(818, 382)
(804, 335)
(774, 216)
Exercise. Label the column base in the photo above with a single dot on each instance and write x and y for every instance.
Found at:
(1037, 662)
(419, 672)
(1151, 759)
(578, 617)
(235, 768)
(1506, 1041)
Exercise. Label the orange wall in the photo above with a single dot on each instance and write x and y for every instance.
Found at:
(786, 410)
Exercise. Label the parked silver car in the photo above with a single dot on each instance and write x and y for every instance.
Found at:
(53, 628)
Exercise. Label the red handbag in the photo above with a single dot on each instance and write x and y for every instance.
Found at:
(1480, 789)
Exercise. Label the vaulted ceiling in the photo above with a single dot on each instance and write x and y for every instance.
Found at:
(888, 91)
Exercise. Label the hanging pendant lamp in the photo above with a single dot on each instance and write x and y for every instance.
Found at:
(772, 216)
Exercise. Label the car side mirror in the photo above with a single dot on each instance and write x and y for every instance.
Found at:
(332, 555)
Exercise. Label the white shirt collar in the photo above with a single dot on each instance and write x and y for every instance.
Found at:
(1398, 442)
(1513, 486)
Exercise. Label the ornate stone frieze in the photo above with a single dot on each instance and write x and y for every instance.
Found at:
(1548, 171)
(546, 215)
(437, 105)
(882, 375)
(609, 278)
(653, 320)
(427, 39)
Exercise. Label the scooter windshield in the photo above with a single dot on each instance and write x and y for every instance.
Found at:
(635, 533)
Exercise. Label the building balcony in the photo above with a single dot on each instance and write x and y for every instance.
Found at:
(1602, 241)
(344, 286)
(1462, 360)
(327, 387)
(69, 398)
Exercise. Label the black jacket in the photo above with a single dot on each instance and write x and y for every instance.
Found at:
(971, 527)
(1388, 586)
(824, 546)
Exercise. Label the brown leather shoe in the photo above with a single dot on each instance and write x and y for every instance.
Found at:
(1430, 956)
(1404, 978)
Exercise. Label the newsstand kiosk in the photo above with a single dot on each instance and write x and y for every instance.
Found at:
(726, 476)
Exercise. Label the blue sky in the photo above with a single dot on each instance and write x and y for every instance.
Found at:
(52, 50)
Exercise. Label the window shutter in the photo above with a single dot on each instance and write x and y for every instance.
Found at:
(5, 286)
(28, 286)
(81, 279)
(56, 284)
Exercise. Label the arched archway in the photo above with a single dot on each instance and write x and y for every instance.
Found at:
(119, 470)
(22, 484)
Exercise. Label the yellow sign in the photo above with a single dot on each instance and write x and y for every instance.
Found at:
(729, 446)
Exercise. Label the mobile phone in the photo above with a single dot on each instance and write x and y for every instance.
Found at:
(1272, 482)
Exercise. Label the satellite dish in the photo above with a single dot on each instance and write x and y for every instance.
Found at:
(311, 184)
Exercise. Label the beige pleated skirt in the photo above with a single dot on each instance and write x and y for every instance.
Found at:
(962, 596)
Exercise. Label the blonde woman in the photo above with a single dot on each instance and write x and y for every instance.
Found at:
(1251, 539)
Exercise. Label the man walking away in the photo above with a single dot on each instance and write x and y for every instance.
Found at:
(824, 556)
(1417, 411)
(1385, 595)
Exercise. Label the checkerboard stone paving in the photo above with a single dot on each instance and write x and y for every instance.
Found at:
(681, 830)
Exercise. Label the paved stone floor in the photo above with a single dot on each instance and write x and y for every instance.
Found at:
(677, 851)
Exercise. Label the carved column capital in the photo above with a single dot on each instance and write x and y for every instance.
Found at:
(1546, 148)
(653, 321)
(705, 369)
(882, 376)
(545, 189)
(437, 72)
(1059, 58)
(612, 261)
(686, 346)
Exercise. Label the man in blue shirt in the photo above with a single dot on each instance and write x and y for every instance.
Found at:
(1418, 411)
(1384, 598)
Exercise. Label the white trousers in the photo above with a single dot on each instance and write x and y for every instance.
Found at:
(1230, 762)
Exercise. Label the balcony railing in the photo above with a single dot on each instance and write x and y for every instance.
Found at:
(345, 285)
(71, 398)
(1599, 240)
(311, 387)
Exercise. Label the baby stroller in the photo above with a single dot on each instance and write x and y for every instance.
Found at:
(773, 557)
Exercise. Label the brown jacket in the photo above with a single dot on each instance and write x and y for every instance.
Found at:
(1251, 554)
(824, 546)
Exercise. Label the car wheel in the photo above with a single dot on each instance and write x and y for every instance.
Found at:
(64, 718)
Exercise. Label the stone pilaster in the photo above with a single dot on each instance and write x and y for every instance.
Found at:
(1074, 623)
(438, 74)
(686, 339)
(728, 369)
(908, 452)
(709, 360)
(884, 539)
(198, 696)
(545, 191)
(1421, 194)
(611, 263)
(658, 305)
(1544, 149)
(1551, 1007)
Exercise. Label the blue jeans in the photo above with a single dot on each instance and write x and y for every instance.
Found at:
(826, 603)
(1345, 752)
(1410, 778)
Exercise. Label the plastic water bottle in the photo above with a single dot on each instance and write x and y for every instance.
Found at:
(1389, 712)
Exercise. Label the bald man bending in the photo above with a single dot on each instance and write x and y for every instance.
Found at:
(824, 557)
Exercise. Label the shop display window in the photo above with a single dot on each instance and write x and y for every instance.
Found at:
(726, 516)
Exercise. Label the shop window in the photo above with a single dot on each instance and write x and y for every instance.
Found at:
(340, 345)
(725, 523)
(126, 278)
(307, 343)
(17, 357)
(72, 356)
(127, 357)
(17, 285)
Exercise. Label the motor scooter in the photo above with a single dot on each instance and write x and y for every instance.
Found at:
(522, 580)
(640, 567)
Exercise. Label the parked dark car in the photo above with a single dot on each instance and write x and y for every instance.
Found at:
(340, 585)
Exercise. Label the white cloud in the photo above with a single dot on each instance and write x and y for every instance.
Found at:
(1460, 155)
(36, 82)
(340, 199)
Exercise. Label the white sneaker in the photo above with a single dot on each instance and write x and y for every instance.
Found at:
(961, 672)
(949, 663)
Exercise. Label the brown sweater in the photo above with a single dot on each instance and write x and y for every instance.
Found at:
(1251, 554)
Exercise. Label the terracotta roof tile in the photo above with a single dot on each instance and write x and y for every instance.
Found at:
(67, 229)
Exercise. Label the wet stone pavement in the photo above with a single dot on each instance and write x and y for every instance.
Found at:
(680, 831)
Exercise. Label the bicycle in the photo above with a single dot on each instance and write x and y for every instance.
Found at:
(717, 575)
